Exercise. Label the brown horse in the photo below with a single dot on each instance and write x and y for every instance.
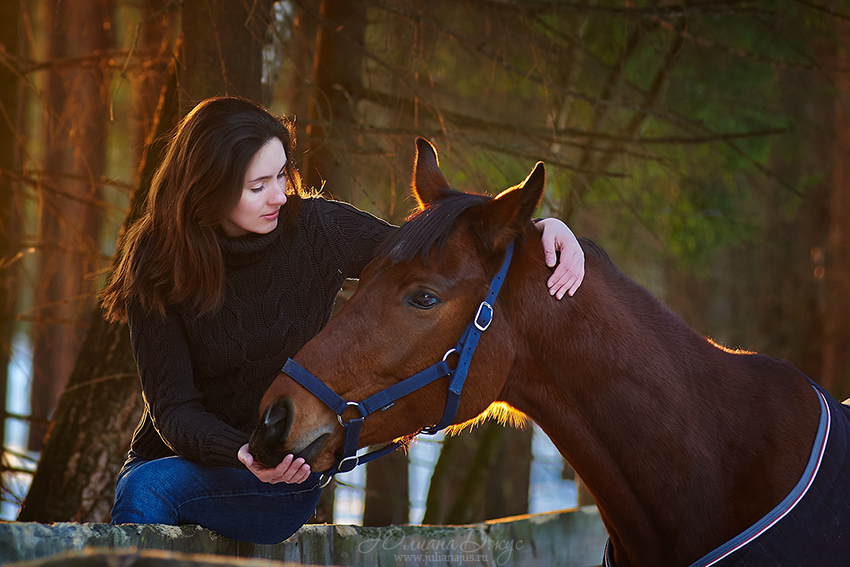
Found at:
(682, 443)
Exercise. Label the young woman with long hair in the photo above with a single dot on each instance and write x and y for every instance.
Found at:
(232, 268)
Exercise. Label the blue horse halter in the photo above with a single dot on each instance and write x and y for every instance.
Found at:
(386, 398)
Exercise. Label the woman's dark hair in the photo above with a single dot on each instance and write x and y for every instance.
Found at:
(171, 254)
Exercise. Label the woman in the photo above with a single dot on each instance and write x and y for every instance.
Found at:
(229, 272)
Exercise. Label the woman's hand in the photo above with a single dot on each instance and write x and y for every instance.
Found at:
(290, 470)
(570, 271)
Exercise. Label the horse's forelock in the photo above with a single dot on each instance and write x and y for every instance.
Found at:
(428, 227)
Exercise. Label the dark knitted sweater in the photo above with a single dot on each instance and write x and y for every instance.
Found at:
(203, 376)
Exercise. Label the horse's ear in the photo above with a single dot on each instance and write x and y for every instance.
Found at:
(429, 184)
(505, 217)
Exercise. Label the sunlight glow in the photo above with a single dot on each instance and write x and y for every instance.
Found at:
(500, 411)
(713, 343)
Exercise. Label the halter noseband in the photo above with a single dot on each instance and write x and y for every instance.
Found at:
(387, 397)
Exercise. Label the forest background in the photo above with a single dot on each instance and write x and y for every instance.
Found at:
(705, 145)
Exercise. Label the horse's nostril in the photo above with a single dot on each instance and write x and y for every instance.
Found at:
(275, 413)
(277, 420)
(270, 434)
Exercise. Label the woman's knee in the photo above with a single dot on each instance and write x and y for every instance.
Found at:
(142, 497)
(280, 520)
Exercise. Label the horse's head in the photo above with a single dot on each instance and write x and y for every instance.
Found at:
(411, 307)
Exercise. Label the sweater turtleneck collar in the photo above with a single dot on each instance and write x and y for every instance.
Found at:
(247, 249)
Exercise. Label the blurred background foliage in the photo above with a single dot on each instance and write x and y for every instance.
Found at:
(702, 144)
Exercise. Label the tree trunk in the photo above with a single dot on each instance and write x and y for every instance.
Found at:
(480, 475)
(223, 50)
(9, 140)
(446, 474)
(467, 502)
(509, 478)
(387, 500)
(157, 43)
(790, 282)
(337, 63)
(89, 435)
(836, 350)
(301, 51)
(337, 73)
(68, 220)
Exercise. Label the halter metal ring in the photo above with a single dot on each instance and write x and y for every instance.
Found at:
(449, 353)
(339, 415)
(325, 479)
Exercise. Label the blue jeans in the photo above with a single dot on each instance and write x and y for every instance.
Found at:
(229, 501)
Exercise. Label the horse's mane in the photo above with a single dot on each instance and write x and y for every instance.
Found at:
(590, 246)
(623, 283)
(432, 225)
(642, 303)
(429, 226)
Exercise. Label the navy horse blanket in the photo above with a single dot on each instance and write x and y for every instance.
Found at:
(811, 526)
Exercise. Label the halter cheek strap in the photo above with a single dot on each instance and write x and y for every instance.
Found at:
(386, 398)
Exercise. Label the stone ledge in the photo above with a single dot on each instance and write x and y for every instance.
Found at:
(144, 558)
(573, 538)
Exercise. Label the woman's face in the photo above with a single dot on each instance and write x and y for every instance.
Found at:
(263, 193)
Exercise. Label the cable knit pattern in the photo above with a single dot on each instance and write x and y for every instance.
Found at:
(203, 376)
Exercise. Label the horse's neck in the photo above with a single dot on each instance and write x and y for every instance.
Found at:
(626, 440)
(648, 414)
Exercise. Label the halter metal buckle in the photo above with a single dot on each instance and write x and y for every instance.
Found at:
(342, 466)
(484, 316)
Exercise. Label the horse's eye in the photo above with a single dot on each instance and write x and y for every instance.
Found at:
(424, 299)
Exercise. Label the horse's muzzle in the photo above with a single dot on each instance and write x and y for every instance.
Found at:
(267, 440)
(268, 443)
